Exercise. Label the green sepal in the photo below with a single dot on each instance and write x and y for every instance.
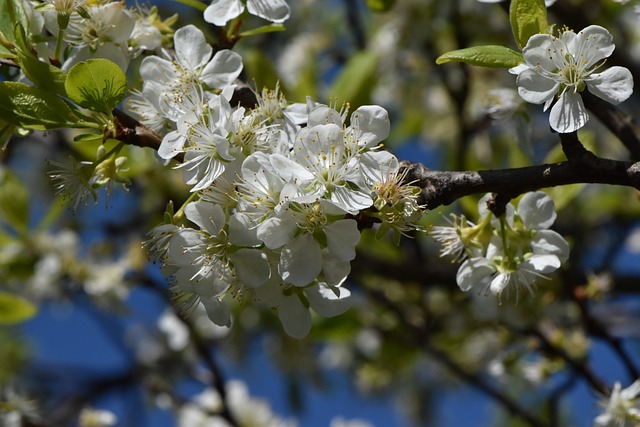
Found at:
(492, 56)
(15, 309)
(33, 108)
(262, 30)
(528, 17)
(97, 84)
(14, 202)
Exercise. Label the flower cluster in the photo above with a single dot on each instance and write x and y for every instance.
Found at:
(562, 67)
(508, 252)
(273, 202)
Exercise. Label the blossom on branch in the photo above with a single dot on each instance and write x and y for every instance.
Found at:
(562, 67)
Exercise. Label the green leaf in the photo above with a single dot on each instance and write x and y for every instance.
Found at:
(528, 17)
(194, 3)
(33, 108)
(15, 309)
(264, 29)
(11, 14)
(356, 79)
(483, 56)
(260, 68)
(42, 74)
(14, 202)
(96, 84)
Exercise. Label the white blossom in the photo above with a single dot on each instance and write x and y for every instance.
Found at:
(622, 408)
(561, 67)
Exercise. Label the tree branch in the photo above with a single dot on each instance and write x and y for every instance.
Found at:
(618, 122)
(444, 187)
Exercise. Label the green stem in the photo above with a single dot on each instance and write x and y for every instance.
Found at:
(59, 42)
(177, 217)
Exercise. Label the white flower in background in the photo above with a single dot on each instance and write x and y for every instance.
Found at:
(219, 12)
(502, 103)
(325, 300)
(342, 422)
(105, 35)
(72, 180)
(90, 417)
(107, 281)
(174, 329)
(561, 67)
(247, 410)
(521, 251)
(622, 408)
(496, 272)
(145, 35)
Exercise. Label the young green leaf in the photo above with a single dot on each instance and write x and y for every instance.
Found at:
(96, 84)
(15, 309)
(528, 17)
(262, 30)
(356, 79)
(483, 56)
(14, 202)
(42, 74)
(33, 108)
(12, 14)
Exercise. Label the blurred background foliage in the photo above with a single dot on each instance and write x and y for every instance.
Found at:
(412, 333)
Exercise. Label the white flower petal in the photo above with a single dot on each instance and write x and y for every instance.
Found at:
(595, 43)
(223, 69)
(350, 200)
(342, 237)
(474, 272)
(217, 311)
(537, 210)
(328, 301)
(534, 88)
(300, 260)
(192, 50)
(294, 316)
(548, 242)
(568, 114)
(277, 231)
(272, 10)
(219, 12)
(251, 267)
(171, 145)
(614, 84)
(208, 216)
(372, 125)
(241, 230)
(539, 49)
(499, 283)
(541, 264)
